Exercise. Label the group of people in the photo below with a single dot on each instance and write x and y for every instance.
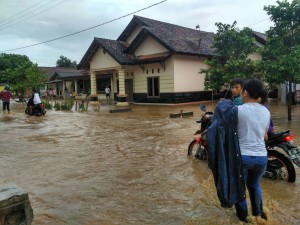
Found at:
(250, 122)
(6, 95)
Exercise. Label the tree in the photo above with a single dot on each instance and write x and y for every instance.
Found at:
(65, 62)
(19, 72)
(232, 48)
(11, 61)
(281, 54)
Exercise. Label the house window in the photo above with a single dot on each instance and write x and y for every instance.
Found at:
(152, 71)
(153, 86)
(158, 71)
(147, 71)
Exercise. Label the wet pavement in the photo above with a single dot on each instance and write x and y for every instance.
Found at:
(125, 168)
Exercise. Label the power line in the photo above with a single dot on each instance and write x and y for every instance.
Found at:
(258, 22)
(21, 12)
(68, 35)
(8, 24)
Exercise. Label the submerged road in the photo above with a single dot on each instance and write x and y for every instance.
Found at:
(125, 168)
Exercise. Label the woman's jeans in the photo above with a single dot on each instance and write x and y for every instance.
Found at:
(253, 168)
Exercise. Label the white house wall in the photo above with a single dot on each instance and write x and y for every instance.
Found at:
(186, 73)
(102, 60)
(134, 33)
(149, 47)
(166, 79)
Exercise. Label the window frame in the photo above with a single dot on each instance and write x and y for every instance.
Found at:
(152, 79)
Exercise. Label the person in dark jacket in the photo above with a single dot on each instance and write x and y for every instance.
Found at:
(224, 157)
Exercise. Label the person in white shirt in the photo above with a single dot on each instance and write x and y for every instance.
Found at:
(36, 98)
(107, 93)
(253, 124)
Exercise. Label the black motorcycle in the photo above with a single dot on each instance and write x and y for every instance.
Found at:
(281, 151)
(35, 110)
(281, 155)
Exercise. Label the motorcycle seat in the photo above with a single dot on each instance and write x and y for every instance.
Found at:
(275, 135)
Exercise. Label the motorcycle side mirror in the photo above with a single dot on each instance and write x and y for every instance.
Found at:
(202, 107)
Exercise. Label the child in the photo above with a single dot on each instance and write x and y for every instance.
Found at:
(6, 95)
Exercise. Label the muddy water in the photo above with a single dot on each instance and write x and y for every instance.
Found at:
(124, 168)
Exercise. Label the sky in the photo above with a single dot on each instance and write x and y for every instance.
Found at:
(30, 22)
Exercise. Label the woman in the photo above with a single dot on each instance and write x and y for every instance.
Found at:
(253, 124)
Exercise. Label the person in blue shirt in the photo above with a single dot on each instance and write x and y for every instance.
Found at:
(236, 86)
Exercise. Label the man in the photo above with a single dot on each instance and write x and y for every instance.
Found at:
(6, 95)
(107, 93)
(36, 98)
(236, 86)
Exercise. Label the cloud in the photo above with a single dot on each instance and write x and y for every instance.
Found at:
(75, 15)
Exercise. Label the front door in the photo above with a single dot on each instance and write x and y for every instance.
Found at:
(129, 89)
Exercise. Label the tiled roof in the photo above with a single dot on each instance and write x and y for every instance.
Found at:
(114, 48)
(67, 74)
(50, 71)
(260, 37)
(176, 39)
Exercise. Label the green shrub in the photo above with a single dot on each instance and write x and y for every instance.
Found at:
(47, 104)
(65, 105)
(57, 106)
(81, 106)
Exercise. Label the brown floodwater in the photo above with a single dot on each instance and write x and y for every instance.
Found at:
(125, 168)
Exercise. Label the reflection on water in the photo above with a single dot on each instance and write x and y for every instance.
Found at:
(124, 168)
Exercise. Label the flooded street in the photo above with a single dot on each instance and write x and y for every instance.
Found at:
(125, 168)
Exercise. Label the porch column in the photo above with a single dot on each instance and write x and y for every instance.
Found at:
(122, 96)
(63, 89)
(93, 96)
(76, 87)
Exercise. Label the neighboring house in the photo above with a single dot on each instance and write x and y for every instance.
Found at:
(281, 91)
(59, 78)
(151, 62)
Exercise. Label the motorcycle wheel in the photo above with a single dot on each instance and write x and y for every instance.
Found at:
(28, 111)
(280, 167)
(197, 150)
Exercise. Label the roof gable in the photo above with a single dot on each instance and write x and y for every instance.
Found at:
(178, 39)
(142, 36)
(150, 46)
(114, 48)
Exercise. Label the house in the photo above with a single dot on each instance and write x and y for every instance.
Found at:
(151, 62)
(60, 78)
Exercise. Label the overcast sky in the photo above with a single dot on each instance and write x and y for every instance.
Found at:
(28, 22)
